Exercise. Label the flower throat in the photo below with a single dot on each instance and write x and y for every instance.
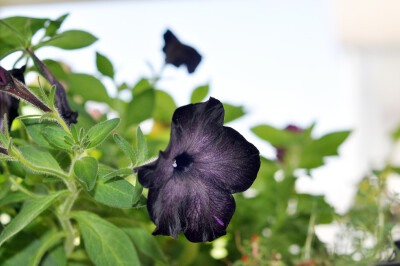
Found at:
(182, 161)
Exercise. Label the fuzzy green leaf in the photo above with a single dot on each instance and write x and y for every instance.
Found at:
(145, 243)
(125, 147)
(56, 136)
(29, 212)
(106, 244)
(86, 170)
(142, 149)
(98, 133)
(115, 192)
(39, 157)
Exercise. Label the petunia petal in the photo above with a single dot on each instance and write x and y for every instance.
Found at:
(185, 204)
(193, 125)
(231, 161)
(156, 173)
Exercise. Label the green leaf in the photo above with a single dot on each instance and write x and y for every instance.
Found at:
(189, 253)
(46, 245)
(86, 170)
(55, 256)
(74, 133)
(164, 107)
(87, 86)
(39, 157)
(54, 25)
(19, 249)
(137, 193)
(141, 86)
(141, 107)
(104, 65)
(232, 112)
(16, 32)
(98, 133)
(35, 130)
(313, 153)
(145, 243)
(16, 168)
(199, 94)
(105, 243)
(56, 136)
(142, 149)
(52, 98)
(313, 204)
(55, 68)
(29, 212)
(114, 192)
(328, 144)
(13, 197)
(5, 187)
(84, 119)
(120, 172)
(125, 147)
(69, 40)
(276, 137)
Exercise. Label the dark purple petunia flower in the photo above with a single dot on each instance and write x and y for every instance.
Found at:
(12, 85)
(192, 181)
(69, 116)
(179, 54)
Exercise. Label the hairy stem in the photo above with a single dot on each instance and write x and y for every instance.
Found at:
(62, 122)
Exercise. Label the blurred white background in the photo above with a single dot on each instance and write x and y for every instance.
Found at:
(333, 62)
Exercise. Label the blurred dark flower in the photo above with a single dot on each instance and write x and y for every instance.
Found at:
(192, 181)
(281, 151)
(293, 128)
(62, 104)
(397, 243)
(12, 85)
(179, 54)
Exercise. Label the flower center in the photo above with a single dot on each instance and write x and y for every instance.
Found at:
(182, 161)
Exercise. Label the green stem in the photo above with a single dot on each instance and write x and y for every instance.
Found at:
(381, 214)
(157, 77)
(62, 122)
(310, 234)
(70, 237)
(22, 188)
(65, 221)
(63, 216)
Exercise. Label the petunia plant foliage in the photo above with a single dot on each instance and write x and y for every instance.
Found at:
(80, 186)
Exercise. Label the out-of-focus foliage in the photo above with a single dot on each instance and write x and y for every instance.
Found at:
(73, 198)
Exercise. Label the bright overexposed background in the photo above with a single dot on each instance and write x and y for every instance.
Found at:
(287, 61)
